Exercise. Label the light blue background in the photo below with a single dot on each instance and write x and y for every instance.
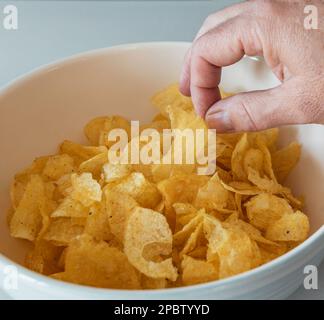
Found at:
(50, 30)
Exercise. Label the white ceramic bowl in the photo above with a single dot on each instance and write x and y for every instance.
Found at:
(50, 104)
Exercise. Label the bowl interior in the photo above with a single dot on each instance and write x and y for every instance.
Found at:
(54, 103)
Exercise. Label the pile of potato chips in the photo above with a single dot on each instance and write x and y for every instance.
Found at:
(156, 226)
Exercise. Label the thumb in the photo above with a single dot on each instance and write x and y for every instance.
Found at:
(259, 110)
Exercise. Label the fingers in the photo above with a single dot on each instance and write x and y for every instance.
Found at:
(184, 84)
(265, 109)
(211, 22)
(221, 46)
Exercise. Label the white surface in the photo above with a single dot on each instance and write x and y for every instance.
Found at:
(49, 30)
(71, 92)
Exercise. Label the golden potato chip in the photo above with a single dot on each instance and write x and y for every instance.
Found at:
(139, 188)
(93, 129)
(242, 188)
(285, 160)
(70, 208)
(58, 166)
(212, 195)
(98, 129)
(79, 152)
(195, 240)
(269, 136)
(182, 236)
(94, 164)
(198, 271)
(97, 223)
(255, 234)
(181, 188)
(265, 208)
(145, 227)
(113, 172)
(114, 122)
(36, 167)
(119, 207)
(63, 186)
(44, 258)
(85, 189)
(184, 213)
(289, 227)
(171, 96)
(95, 263)
(151, 283)
(27, 219)
(238, 157)
(62, 231)
(234, 248)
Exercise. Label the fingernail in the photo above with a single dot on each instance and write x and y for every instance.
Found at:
(219, 120)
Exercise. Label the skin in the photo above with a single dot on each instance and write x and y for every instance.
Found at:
(275, 30)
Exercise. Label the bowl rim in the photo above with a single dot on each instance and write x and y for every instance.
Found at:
(33, 276)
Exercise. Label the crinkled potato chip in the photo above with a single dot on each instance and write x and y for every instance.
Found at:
(139, 188)
(290, 227)
(97, 264)
(63, 230)
(196, 271)
(85, 189)
(119, 207)
(146, 227)
(44, 258)
(265, 208)
(97, 222)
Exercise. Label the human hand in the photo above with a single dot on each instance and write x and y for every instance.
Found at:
(275, 30)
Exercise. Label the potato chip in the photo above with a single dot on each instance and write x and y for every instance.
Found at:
(36, 167)
(171, 96)
(97, 130)
(238, 157)
(80, 153)
(180, 188)
(113, 172)
(85, 189)
(289, 227)
(58, 166)
(94, 164)
(70, 208)
(95, 263)
(255, 234)
(44, 258)
(234, 248)
(182, 236)
(114, 122)
(27, 219)
(197, 271)
(151, 283)
(63, 230)
(119, 207)
(212, 195)
(265, 208)
(139, 188)
(285, 160)
(97, 224)
(145, 227)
